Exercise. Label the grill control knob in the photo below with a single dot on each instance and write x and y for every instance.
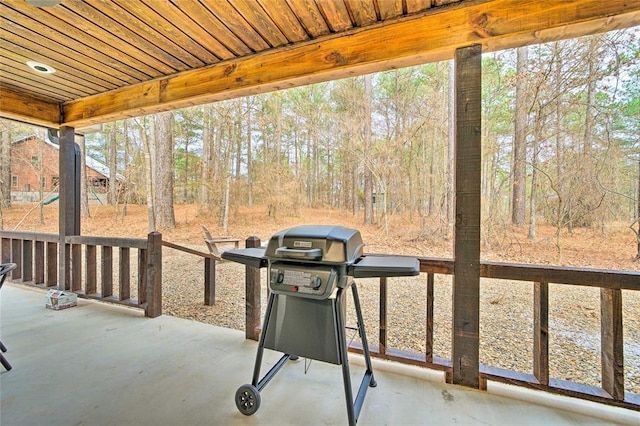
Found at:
(280, 278)
(316, 283)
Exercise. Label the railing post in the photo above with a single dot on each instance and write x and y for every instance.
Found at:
(51, 275)
(612, 342)
(6, 250)
(541, 332)
(383, 315)
(76, 267)
(16, 257)
(429, 315)
(38, 266)
(91, 270)
(154, 275)
(27, 260)
(209, 281)
(252, 288)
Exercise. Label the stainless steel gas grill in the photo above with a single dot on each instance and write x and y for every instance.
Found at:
(310, 267)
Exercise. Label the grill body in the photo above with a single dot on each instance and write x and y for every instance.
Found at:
(310, 270)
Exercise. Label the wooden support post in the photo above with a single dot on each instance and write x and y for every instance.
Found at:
(466, 280)
(209, 281)
(541, 332)
(612, 342)
(69, 201)
(154, 275)
(252, 289)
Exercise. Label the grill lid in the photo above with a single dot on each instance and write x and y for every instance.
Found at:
(317, 243)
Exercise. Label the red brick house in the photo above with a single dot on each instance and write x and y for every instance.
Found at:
(34, 171)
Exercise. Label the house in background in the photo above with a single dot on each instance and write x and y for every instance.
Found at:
(35, 172)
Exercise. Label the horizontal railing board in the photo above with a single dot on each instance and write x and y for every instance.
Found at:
(560, 387)
(624, 280)
(33, 236)
(137, 243)
(188, 250)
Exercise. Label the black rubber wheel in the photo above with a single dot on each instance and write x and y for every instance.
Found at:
(247, 399)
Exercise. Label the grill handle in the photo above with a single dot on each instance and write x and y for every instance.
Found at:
(307, 254)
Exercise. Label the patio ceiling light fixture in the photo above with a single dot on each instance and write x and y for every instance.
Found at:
(41, 68)
(44, 3)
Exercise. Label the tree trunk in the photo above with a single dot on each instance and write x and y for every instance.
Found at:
(113, 165)
(164, 171)
(249, 157)
(122, 186)
(84, 188)
(5, 164)
(520, 142)
(451, 151)
(534, 180)
(638, 212)
(589, 119)
(149, 156)
(368, 175)
(560, 217)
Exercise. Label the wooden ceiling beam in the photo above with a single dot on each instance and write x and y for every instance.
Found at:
(429, 37)
(22, 106)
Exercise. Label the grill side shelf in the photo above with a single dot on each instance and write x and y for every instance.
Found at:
(253, 257)
(372, 266)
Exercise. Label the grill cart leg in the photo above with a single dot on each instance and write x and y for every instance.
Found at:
(248, 396)
(353, 407)
(363, 335)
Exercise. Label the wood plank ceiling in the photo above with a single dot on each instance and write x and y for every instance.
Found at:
(120, 58)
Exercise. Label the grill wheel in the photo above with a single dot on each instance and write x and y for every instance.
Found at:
(247, 399)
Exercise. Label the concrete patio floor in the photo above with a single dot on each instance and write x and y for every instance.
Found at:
(98, 364)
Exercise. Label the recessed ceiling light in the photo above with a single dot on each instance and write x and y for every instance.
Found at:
(43, 3)
(42, 68)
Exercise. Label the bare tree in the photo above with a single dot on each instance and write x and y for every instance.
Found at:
(84, 189)
(149, 157)
(368, 174)
(5, 164)
(637, 258)
(520, 141)
(163, 173)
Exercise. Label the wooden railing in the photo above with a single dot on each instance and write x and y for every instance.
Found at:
(611, 283)
(209, 270)
(37, 257)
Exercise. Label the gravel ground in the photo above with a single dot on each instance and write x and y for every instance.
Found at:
(506, 318)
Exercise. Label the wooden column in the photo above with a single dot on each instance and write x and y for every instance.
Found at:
(466, 280)
(69, 201)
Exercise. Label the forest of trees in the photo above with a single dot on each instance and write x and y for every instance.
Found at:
(560, 135)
